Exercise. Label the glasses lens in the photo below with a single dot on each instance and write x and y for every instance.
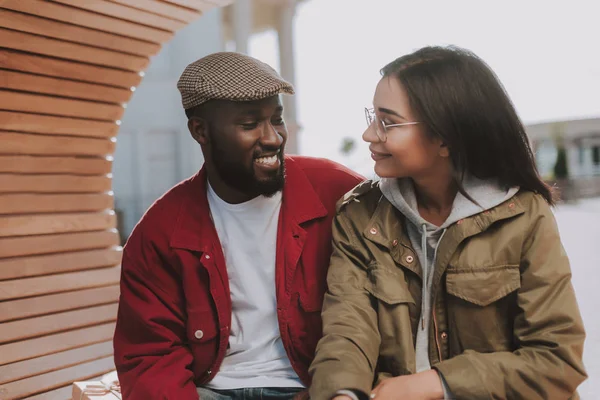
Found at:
(368, 116)
(379, 128)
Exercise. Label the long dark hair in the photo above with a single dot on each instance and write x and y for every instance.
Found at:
(460, 99)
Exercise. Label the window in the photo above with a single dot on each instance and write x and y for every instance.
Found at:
(596, 155)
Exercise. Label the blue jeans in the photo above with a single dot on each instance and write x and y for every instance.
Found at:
(248, 394)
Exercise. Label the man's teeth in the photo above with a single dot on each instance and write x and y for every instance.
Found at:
(267, 160)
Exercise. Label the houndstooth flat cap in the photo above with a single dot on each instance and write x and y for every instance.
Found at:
(229, 76)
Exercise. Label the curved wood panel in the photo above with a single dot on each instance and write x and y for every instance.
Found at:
(67, 70)
(28, 164)
(59, 87)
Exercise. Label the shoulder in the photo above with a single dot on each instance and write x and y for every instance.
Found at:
(325, 176)
(358, 192)
(537, 220)
(534, 205)
(160, 218)
(361, 202)
(314, 167)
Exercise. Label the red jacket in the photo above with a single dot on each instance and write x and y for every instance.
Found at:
(175, 308)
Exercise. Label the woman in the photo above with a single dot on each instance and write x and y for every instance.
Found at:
(448, 277)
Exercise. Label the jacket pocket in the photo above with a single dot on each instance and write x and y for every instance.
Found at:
(483, 286)
(305, 326)
(202, 335)
(387, 285)
(481, 306)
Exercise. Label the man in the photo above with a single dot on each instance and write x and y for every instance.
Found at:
(223, 278)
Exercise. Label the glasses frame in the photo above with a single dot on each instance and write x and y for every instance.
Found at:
(371, 118)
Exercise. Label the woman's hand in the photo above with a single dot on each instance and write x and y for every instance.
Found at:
(342, 397)
(425, 385)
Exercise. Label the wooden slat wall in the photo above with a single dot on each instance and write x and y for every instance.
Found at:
(67, 70)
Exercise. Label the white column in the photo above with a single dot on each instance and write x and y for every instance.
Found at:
(572, 149)
(242, 24)
(285, 32)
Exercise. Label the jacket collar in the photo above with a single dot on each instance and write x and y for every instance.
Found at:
(194, 229)
(385, 228)
(385, 224)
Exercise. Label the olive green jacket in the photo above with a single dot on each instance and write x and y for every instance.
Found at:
(506, 324)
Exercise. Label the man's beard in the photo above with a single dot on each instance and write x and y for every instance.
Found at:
(243, 177)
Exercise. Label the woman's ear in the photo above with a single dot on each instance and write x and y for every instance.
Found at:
(444, 151)
(198, 127)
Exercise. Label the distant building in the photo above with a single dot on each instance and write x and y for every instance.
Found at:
(155, 149)
(581, 140)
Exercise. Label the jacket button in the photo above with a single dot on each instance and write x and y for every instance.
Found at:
(209, 372)
(511, 205)
(373, 231)
(409, 259)
(444, 336)
(207, 257)
(199, 334)
(395, 242)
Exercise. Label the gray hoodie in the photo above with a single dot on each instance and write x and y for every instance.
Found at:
(425, 237)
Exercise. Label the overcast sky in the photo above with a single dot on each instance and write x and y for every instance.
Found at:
(546, 55)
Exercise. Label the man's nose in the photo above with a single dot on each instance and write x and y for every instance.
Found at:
(270, 136)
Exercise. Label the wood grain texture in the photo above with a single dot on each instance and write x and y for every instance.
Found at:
(76, 16)
(36, 203)
(127, 13)
(44, 104)
(23, 225)
(28, 287)
(61, 243)
(22, 41)
(27, 82)
(60, 322)
(19, 183)
(36, 144)
(29, 266)
(35, 123)
(35, 306)
(25, 369)
(76, 165)
(55, 379)
(162, 8)
(43, 65)
(77, 34)
(67, 70)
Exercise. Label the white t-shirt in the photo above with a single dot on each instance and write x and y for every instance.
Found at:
(248, 234)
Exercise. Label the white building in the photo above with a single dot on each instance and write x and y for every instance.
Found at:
(155, 149)
(581, 140)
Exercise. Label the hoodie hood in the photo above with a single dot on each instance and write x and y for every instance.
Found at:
(401, 193)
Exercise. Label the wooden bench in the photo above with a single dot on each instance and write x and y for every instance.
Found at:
(67, 67)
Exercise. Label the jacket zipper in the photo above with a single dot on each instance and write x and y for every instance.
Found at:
(435, 326)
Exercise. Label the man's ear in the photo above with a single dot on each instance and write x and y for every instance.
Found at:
(198, 127)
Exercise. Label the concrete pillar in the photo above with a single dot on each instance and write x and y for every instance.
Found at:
(285, 32)
(242, 24)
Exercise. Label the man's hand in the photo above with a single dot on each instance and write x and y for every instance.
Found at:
(425, 385)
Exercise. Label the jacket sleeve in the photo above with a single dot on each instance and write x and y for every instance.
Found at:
(347, 353)
(150, 354)
(548, 330)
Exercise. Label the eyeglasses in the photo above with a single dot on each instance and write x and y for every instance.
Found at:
(381, 128)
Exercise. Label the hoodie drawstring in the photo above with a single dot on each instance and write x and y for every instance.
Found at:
(425, 271)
